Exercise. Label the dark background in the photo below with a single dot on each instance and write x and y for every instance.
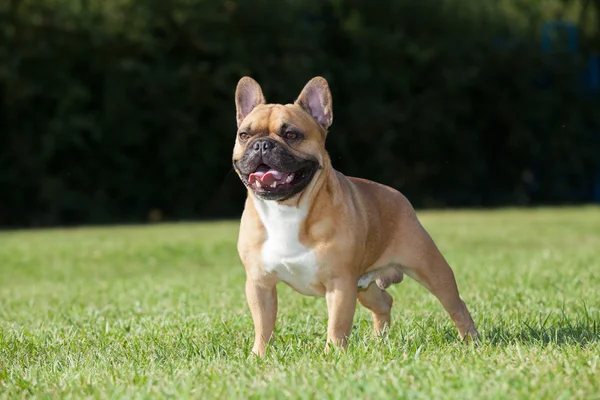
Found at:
(117, 111)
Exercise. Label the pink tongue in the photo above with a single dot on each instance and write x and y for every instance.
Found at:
(266, 177)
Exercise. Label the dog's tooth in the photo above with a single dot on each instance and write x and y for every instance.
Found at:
(274, 184)
(258, 185)
(289, 178)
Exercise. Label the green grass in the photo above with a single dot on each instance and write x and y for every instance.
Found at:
(159, 311)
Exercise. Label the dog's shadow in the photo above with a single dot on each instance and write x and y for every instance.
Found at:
(559, 333)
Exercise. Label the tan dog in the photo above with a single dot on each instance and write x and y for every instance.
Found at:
(322, 233)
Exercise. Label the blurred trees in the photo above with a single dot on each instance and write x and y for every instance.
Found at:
(112, 110)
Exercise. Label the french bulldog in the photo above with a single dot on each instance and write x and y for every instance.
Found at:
(320, 232)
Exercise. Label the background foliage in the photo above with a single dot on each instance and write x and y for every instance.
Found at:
(122, 110)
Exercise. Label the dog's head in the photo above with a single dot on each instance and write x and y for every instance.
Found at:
(279, 148)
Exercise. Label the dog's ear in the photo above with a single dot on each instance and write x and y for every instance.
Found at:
(315, 99)
(248, 95)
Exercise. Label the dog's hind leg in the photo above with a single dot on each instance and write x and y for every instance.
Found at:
(422, 261)
(379, 302)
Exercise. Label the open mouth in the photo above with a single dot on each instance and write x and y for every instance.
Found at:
(268, 181)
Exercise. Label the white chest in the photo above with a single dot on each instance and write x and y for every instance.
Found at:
(282, 252)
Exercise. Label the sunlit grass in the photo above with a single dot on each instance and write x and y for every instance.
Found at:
(159, 311)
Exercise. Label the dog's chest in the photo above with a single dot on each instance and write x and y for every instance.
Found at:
(282, 252)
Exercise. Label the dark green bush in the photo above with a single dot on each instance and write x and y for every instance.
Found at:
(112, 109)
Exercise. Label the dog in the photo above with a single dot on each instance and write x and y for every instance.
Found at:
(320, 232)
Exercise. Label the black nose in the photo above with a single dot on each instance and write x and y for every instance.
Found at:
(262, 146)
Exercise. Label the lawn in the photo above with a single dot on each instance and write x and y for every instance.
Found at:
(159, 311)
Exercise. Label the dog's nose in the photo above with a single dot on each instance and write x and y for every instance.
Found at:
(263, 146)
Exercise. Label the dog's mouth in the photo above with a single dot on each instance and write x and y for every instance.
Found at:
(270, 183)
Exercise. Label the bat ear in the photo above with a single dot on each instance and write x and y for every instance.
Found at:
(248, 95)
(315, 99)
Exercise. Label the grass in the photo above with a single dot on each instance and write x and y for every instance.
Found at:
(159, 311)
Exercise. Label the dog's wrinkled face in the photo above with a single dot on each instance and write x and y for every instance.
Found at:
(279, 148)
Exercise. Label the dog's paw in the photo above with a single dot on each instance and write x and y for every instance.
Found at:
(472, 336)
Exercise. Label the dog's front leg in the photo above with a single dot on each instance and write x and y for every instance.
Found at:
(262, 300)
(341, 303)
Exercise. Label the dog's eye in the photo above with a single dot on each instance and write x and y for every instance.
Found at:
(291, 135)
(244, 136)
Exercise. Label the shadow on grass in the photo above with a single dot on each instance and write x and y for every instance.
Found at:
(552, 329)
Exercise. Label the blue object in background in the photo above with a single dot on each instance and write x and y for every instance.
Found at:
(593, 74)
(593, 90)
(553, 26)
(590, 79)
